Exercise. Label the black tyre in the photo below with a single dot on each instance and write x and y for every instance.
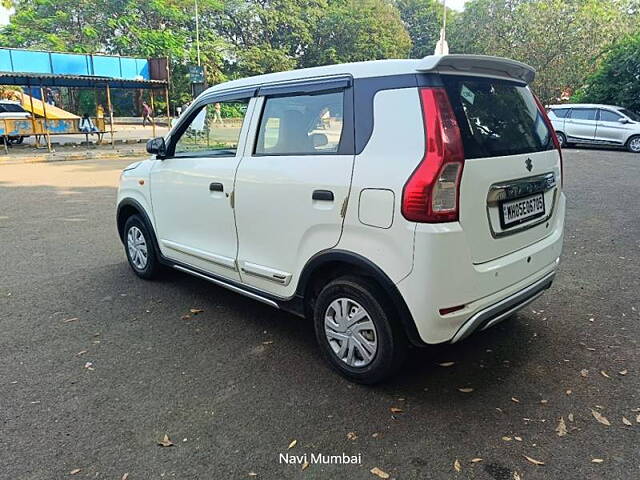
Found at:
(633, 144)
(356, 330)
(562, 139)
(139, 247)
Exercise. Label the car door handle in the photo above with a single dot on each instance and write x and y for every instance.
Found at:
(216, 187)
(325, 195)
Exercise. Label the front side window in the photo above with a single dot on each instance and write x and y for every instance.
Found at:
(213, 131)
(632, 115)
(301, 125)
(583, 114)
(496, 117)
(609, 116)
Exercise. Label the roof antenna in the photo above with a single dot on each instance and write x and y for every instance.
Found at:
(442, 47)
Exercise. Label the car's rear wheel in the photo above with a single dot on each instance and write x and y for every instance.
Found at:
(355, 330)
(562, 139)
(139, 248)
(633, 144)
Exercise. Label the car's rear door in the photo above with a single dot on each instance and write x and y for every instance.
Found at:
(511, 176)
(580, 125)
(293, 180)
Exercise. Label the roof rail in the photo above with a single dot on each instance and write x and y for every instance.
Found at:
(478, 65)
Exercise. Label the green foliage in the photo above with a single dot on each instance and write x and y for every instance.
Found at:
(358, 30)
(562, 39)
(617, 81)
(423, 21)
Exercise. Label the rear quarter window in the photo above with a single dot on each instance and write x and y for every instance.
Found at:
(496, 117)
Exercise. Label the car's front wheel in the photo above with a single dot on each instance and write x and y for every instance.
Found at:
(356, 332)
(633, 144)
(139, 248)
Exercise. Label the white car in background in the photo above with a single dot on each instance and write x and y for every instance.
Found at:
(392, 202)
(593, 124)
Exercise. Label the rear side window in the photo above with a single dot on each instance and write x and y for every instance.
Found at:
(560, 112)
(496, 117)
(583, 114)
(301, 125)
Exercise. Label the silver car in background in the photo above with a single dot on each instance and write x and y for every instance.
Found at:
(596, 125)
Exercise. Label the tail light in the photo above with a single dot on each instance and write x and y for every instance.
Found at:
(552, 132)
(432, 193)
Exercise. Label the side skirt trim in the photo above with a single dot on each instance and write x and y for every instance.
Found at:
(229, 286)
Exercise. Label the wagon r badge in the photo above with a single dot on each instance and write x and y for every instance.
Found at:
(529, 164)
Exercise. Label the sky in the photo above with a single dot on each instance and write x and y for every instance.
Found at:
(454, 4)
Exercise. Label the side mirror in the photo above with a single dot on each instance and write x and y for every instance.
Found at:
(156, 146)
(319, 140)
(623, 120)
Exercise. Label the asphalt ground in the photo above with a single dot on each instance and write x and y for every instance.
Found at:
(96, 365)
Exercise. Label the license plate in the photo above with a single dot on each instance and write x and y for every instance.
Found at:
(515, 212)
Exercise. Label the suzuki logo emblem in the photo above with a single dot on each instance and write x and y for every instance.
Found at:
(529, 164)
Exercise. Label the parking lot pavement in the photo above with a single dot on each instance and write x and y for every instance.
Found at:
(96, 365)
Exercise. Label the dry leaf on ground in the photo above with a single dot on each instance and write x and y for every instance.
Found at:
(515, 400)
(570, 417)
(70, 319)
(623, 372)
(305, 465)
(597, 460)
(516, 476)
(351, 436)
(396, 410)
(196, 311)
(456, 466)
(446, 364)
(519, 439)
(561, 428)
(506, 439)
(533, 460)
(476, 460)
(599, 417)
(125, 476)
(252, 474)
(74, 471)
(379, 473)
(165, 442)
(626, 421)
(292, 444)
(465, 390)
(584, 372)
(604, 374)
(638, 419)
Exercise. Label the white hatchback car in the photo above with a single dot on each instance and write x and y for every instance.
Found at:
(395, 202)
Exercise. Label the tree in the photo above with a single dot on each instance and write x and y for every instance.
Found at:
(562, 39)
(358, 30)
(617, 81)
(423, 21)
(267, 35)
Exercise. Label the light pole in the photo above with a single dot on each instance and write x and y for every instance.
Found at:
(197, 32)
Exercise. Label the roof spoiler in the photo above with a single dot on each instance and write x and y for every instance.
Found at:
(478, 65)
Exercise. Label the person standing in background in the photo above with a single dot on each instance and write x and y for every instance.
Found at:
(146, 114)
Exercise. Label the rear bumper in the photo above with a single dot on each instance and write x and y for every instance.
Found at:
(499, 311)
(444, 277)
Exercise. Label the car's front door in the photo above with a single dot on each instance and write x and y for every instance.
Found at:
(610, 129)
(580, 125)
(191, 189)
(293, 182)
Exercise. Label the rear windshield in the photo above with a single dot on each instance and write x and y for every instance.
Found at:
(496, 117)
